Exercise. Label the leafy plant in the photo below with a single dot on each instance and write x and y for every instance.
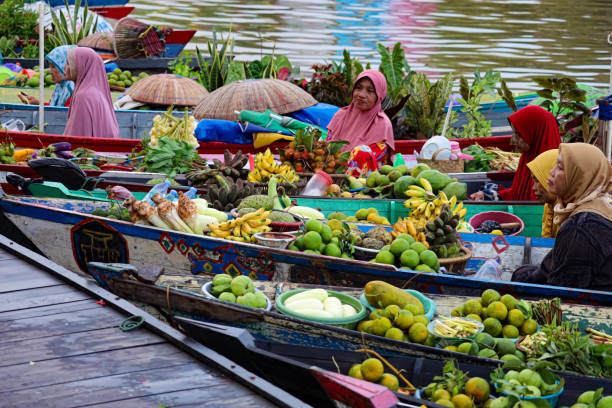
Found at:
(69, 30)
(562, 95)
(212, 73)
(394, 66)
(506, 95)
(16, 20)
(328, 86)
(7, 46)
(29, 50)
(182, 66)
(477, 125)
(423, 115)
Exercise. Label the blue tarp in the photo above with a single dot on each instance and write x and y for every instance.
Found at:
(319, 114)
(215, 130)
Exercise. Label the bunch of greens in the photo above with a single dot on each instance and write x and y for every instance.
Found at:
(452, 379)
(16, 20)
(182, 67)
(477, 125)
(170, 157)
(481, 161)
(329, 86)
(70, 30)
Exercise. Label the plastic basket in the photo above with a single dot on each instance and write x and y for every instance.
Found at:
(428, 304)
(499, 216)
(552, 399)
(208, 286)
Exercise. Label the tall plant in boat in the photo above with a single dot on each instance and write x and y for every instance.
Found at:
(396, 69)
(212, 73)
(471, 95)
(72, 27)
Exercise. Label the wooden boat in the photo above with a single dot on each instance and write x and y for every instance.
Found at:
(45, 307)
(309, 342)
(48, 221)
(276, 361)
(113, 12)
(90, 3)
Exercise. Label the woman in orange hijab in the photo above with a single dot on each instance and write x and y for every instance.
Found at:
(582, 254)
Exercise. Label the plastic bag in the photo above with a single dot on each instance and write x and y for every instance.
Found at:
(490, 270)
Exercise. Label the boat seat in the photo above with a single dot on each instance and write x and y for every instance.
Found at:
(63, 171)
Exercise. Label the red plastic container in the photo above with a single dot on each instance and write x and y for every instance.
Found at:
(500, 216)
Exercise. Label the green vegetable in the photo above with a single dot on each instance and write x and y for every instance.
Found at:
(481, 159)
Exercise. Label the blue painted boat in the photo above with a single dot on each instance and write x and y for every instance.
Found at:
(90, 3)
(89, 238)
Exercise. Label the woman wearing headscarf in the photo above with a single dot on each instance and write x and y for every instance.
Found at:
(582, 254)
(364, 125)
(62, 92)
(535, 131)
(540, 168)
(91, 112)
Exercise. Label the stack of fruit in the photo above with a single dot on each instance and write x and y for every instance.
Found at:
(321, 239)
(120, 80)
(238, 290)
(399, 314)
(174, 128)
(352, 183)
(363, 215)
(407, 226)
(318, 303)
(537, 382)
(266, 167)
(243, 228)
(592, 399)
(485, 345)
(306, 153)
(455, 389)
(442, 233)
(372, 370)
(7, 150)
(405, 252)
(502, 316)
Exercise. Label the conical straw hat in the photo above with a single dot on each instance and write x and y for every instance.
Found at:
(167, 89)
(253, 94)
(98, 41)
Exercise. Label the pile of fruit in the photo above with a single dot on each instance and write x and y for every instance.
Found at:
(352, 183)
(266, 167)
(407, 226)
(238, 290)
(404, 251)
(455, 389)
(7, 149)
(318, 303)
(536, 382)
(502, 316)
(442, 234)
(593, 399)
(174, 128)
(372, 370)
(242, 229)
(485, 345)
(363, 215)
(170, 157)
(306, 153)
(123, 79)
(321, 239)
(398, 315)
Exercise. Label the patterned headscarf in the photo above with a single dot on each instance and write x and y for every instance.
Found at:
(62, 90)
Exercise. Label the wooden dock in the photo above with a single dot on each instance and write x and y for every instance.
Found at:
(61, 345)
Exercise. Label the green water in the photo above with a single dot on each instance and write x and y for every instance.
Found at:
(519, 38)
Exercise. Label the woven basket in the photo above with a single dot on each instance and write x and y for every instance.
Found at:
(457, 264)
(364, 254)
(167, 89)
(444, 166)
(134, 39)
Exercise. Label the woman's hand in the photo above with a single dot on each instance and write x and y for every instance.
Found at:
(28, 99)
(477, 196)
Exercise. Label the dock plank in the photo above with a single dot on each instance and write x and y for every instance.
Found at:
(48, 309)
(17, 275)
(32, 298)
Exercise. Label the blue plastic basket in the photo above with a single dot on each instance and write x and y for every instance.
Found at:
(428, 304)
(552, 399)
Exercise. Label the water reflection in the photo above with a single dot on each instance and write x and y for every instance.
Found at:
(519, 38)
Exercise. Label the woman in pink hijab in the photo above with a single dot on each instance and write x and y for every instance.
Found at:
(364, 124)
(91, 111)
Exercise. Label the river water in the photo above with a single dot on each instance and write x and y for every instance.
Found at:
(518, 38)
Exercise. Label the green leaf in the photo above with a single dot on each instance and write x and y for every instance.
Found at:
(544, 82)
(576, 94)
(336, 145)
(392, 64)
(283, 62)
(235, 72)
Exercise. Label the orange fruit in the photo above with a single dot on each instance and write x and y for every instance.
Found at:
(477, 388)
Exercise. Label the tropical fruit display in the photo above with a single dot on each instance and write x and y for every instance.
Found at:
(167, 125)
(403, 251)
(373, 370)
(593, 399)
(454, 388)
(526, 382)
(238, 290)
(266, 167)
(502, 316)
(332, 239)
(306, 153)
(318, 303)
(242, 229)
(123, 79)
(363, 215)
(486, 346)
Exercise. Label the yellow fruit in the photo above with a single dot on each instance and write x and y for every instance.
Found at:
(390, 381)
(478, 389)
(415, 309)
(376, 313)
(475, 317)
(510, 331)
(380, 326)
(421, 319)
(462, 401)
(355, 371)
(451, 348)
(364, 326)
(472, 306)
(394, 333)
(516, 317)
(418, 333)
(489, 296)
(385, 257)
(445, 402)
(510, 301)
(439, 394)
(530, 326)
(391, 312)
(492, 326)
(372, 369)
(404, 319)
(497, 310)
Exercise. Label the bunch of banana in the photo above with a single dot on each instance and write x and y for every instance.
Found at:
(228, 194)
(232, 168)
(407, 226)
(441, 233)
(242, 229)
(266, 167)
(168, 125)
(429, 206)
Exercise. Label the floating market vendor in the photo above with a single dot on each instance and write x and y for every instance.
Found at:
(91, 112)
(582, 254)
(535, 131)
(62, 92)
(364, 124)
(540, 168)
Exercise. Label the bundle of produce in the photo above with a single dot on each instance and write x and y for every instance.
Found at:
(599, 337)
(123, 79)
(115, 211)
(372, 370)
(318, 303)
(455, 389)
(456, 327)
(364, 215)
(502, 316)
(407, 226)
(593, 399)
(184, 217)
(7, 149)
(490, 159)
(519, 382)
(403, 251)
(319, 238)
(170, 157)
(386, 182)
(174, 128)
(243, 228)
(231, 169)
(547, 311)
(266, 167)
(238, 290)
(228, 194)
(442, 233)
(306, 153)
(485, 345)
(63, 150)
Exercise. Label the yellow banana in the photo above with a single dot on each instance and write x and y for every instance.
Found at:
(253, 215)
(414, 187)
(400, 227)
(420, 208)
(236, 231)
(426, 184)
(443, 197)
(462, 212)
(410, 228)
(452, 201)
(414, 193)
(430, 206)
(265, 214)
(413, 202)
(220, 233)
(458, 208)
(246, 229)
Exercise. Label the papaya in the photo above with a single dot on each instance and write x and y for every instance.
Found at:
(380, 294)
(401, 186)
(456, 189)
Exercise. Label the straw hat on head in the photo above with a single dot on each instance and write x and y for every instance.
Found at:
(253, 94)
(167, 89)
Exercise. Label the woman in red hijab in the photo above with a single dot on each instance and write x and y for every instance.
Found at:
(535, 132)
(364, 124)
